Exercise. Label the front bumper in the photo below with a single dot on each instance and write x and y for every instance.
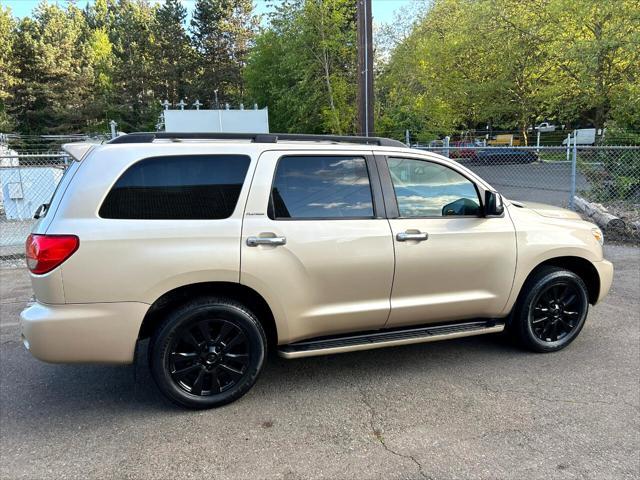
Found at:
(82, 333)
(605, 272)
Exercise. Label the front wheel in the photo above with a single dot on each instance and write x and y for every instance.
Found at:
(207, 353)
(551, 310)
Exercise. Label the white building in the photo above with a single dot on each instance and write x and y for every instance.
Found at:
(225, 120)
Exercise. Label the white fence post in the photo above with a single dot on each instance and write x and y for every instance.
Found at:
(407, 138)
(445, 144)
(113, 126)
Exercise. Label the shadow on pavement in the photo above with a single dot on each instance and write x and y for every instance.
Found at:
(77, 390)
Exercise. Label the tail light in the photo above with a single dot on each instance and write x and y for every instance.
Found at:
(46, 252)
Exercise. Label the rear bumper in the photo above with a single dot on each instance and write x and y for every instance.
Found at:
(82, 333)
(605, 272)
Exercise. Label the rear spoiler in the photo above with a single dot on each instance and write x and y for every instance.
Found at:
(78, 150)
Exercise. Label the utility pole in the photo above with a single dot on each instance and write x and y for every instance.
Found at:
(365, 68)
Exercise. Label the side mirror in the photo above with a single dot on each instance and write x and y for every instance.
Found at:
(42, 209)
(462, 206)
(493, 205)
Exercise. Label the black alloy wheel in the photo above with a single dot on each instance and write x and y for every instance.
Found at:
(209, 356)
(556, 312)
(207, 353)
(551, 310)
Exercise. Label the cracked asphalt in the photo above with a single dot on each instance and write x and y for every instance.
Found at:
(469, 408)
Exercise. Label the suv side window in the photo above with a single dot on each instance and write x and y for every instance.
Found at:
(321, 187)
(180, 187)
(427, 189)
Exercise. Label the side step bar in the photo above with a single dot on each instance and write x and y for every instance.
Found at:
(388, 338)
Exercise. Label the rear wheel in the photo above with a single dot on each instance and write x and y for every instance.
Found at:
(551, 310)
(207, 353)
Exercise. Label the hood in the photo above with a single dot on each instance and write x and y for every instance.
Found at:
(547, 210)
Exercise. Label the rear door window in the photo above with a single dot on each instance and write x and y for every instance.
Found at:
(181, 187)
(321, 187)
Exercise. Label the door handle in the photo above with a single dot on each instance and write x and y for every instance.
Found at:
(255, 241)
(417, 236)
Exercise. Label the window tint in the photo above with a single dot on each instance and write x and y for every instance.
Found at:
(426, 189)
(321, 187)
(178, 187)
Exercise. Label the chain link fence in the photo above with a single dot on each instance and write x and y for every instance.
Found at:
(31, 167)
(603, 179)
(541, 174)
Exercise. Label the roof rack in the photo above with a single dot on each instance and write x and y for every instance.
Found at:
(148, 137)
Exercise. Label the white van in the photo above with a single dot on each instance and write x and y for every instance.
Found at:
(583, 136)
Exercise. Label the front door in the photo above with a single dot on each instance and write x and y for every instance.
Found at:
(315, 243)
(451, 263)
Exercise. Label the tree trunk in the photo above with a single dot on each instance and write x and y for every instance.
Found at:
(327, 77)
(599, 215)
(330, 92)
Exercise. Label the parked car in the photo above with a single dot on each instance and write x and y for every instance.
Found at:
(544, 127)
(220, 247)
(463, 149)
(506, 155)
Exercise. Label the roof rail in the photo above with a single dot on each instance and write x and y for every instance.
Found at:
(148, 137)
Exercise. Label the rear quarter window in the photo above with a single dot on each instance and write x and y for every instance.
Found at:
(181, 187)
(42, 210)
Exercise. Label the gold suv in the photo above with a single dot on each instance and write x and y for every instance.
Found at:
(217, 247)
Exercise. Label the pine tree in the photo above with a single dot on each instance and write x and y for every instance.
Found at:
(132, 33)
(54, 74)
(222, 32)
(7, 66)
(101, 14)
(174, 54)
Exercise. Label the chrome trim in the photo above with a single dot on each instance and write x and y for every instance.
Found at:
(255, 241)
(406, 236)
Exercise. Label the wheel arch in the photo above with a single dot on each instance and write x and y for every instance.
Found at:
(578, 265)
(236, 291)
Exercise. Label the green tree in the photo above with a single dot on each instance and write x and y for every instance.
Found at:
(100, 53)
(222, 32)
(174, 55)
(303, 67)
(134, 104)
(54, 73)
(594, 60)
(465, 64)
(510, 64)
(7, 66)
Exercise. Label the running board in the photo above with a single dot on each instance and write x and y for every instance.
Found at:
(388, 338)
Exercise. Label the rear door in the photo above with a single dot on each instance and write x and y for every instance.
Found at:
(451, 262)
(316, 244)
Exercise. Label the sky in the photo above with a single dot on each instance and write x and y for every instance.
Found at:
(383, 10)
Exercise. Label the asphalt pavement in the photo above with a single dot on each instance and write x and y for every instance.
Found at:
(468, 408)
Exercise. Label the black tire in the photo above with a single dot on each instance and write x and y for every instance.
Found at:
(550, 311)
(207, 353)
